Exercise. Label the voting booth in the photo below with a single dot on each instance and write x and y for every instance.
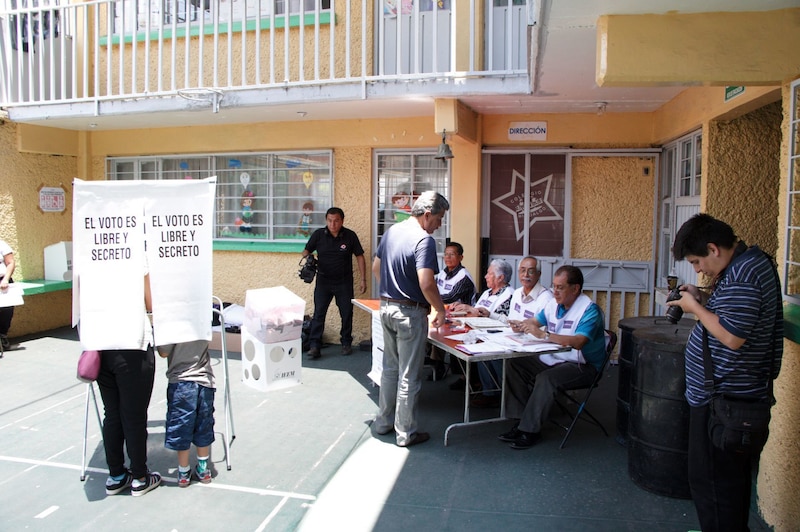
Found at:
(271, 344)
(58, 262)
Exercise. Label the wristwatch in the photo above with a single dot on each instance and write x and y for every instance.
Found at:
(546, 336)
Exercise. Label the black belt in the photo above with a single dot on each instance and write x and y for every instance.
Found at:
(406, 302)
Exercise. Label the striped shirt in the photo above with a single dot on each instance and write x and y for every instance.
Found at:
(746, 299)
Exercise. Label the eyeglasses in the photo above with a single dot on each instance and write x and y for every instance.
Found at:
(451, 254)
(530, 271)
(560, 288)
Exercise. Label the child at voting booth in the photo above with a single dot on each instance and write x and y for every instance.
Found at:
(190, 407)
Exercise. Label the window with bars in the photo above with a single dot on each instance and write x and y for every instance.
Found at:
(681, 177)
(136, 14)
(261, 197)
(401, 177)
(792, 254)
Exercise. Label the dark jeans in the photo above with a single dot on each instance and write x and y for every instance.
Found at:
(6, 313)
(324, 293)
(531, 387)
(126, 383)
(720, 482)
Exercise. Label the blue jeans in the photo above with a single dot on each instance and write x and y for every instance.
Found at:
(720, 482)
(405, 335)
(491, 373)
(324, 293)
(126, 383)
(190, 416)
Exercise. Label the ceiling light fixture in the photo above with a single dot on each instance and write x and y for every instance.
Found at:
(444, 150)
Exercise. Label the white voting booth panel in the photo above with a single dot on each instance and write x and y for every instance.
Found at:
(377, 349)
(58, 262)
(271, 344)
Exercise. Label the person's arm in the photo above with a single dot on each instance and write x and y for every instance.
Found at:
(376, 270)
(692, 301)
(148, 299)
(427, 283)
(532, 326)
(10, 263)
(362, 269)
(500, 312)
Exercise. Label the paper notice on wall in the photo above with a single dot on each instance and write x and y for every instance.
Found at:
(108, 259)
(179, 253)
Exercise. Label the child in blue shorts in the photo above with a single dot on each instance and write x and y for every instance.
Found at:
(190, 407)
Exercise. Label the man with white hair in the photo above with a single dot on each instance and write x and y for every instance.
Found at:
(405, 267)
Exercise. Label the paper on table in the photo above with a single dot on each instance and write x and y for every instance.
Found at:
(482, 348)
(483, 323)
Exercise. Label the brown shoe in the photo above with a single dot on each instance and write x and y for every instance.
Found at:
(313, 352)
(347, 350)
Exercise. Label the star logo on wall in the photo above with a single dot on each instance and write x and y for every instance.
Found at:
(540, 209)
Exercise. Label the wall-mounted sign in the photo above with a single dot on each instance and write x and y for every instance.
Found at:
(733, 92)
(527, 131)
(52, 199)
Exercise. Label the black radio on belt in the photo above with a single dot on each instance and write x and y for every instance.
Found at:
(308, 268)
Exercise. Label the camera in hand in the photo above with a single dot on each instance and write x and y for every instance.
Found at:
(308, 268)
(674, 313)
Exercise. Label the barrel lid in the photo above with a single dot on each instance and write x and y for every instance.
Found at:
(640, 322)
(661, 334)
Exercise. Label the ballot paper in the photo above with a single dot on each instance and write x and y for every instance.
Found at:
(482, 348)
(483, 323)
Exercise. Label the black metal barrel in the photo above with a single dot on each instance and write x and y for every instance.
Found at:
(627, 354)
(658, 429)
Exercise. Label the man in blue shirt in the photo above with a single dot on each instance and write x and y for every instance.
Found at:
(335, 246)
(405, 267)
(743, 321)
(569, 319)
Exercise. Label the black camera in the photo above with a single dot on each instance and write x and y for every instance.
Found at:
(308, 268)
(674, 313)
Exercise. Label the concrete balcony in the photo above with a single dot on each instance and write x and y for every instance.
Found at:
(112, 58)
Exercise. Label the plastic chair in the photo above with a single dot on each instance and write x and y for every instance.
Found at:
(583, 399)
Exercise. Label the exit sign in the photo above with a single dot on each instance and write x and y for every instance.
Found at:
(733, 92)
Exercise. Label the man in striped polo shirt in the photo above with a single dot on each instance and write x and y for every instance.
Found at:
(743, 318)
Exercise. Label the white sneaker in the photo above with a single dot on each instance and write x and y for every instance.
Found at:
(140, 487)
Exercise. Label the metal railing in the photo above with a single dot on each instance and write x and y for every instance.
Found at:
(103, 50)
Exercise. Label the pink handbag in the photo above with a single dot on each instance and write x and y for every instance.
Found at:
(89, 366)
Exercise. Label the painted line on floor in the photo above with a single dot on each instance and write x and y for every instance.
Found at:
(42, 411)
(213, 485)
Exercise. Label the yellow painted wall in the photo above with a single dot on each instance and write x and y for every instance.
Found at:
(28, 230)
(611, 130)
(742, 174)
(273, 66)
(779, 467)
(608, 224)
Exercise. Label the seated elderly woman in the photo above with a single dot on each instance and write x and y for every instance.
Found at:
(496, 300)
(493, 303)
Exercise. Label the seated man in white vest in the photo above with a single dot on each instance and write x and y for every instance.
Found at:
(526, 301)
(569, 319)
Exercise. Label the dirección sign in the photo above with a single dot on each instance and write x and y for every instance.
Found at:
(527, 131)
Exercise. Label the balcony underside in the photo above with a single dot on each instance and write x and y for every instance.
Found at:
(343, 100)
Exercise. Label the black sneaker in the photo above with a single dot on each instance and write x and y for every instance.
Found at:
(150, 482)
(115, 486)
